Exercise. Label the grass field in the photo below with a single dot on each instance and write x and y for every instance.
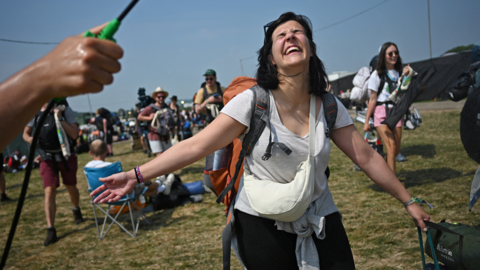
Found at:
(381, 234)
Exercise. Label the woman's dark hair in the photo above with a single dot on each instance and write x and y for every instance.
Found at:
(267, 74)
(382, 66)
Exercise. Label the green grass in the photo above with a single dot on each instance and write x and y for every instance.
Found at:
(380, 231)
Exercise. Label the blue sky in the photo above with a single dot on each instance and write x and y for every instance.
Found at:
(171, 43)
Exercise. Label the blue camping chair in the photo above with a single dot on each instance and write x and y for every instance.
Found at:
(92, 175)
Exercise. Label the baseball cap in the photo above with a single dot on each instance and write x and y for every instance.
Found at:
(210, 72)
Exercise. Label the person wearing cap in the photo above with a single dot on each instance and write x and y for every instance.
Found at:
(160, 114)
(177, 124)
(209, 96)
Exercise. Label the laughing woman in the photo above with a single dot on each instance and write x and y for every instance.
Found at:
(295, 79)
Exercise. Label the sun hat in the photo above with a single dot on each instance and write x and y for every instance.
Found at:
(210, 72)
(159, 90)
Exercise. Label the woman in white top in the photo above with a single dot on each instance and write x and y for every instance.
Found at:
(291, 71)
(381, 84)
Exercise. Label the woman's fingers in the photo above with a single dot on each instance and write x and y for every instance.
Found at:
(98, 190)
(108, 179)
(101, 196)
(421, 224)
(418, 215)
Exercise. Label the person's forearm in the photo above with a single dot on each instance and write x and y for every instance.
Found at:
(144, 118)
(200, 107)
(222, 131)
(28, 98)
(70, 129)
(372, 103)
(377, 169)
(27, 137)
(176, 157)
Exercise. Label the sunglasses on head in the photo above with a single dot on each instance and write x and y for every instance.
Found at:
(392, 53)
(266, 26)
(209, 79)
(265, 29)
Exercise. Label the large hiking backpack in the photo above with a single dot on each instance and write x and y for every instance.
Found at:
(360, 85)
(164, 121)
(225, 181)
(465, 84)
(48, 139)
(360, 91)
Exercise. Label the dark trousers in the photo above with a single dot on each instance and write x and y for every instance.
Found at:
(262, 246)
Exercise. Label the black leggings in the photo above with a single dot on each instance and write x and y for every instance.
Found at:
(262, 246)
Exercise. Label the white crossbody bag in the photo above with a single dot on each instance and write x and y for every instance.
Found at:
(285, 202)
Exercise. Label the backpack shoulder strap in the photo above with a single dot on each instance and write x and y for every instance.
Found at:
(260, 116)
(259, 119)
(205, 92)
(387, 79)
(330, 110)
(155, 107)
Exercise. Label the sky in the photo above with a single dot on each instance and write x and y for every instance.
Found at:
(172, 43)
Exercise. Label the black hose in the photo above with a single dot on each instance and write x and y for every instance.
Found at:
(28, 171)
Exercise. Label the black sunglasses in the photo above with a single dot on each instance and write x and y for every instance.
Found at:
(208, 79)
(392, 53)
(265, 29)
(160, 96)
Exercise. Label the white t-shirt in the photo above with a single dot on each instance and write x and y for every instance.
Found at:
(97, 164)
(374, 83)
(282, 167)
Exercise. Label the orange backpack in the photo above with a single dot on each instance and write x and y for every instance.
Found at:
(221, 178)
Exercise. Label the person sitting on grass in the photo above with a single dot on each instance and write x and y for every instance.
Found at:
(99, 151)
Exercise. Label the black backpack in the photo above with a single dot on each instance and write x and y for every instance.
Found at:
(465, 84)
(112, 119)
(48, 138)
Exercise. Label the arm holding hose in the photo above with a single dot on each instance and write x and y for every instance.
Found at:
(78, 65)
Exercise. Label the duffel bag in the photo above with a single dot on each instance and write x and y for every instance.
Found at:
(456, 245)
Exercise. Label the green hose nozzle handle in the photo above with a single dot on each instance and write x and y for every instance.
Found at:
(107, 32)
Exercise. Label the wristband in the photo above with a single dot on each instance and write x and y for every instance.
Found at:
(138, 175)
(409, 202)
(417, 200)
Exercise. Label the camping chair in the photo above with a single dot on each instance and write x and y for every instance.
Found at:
(92, 175)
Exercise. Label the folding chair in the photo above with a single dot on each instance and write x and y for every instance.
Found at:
(92, 175)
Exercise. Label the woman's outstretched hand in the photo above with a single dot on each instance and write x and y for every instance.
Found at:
(116, 186)
(418, 215)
